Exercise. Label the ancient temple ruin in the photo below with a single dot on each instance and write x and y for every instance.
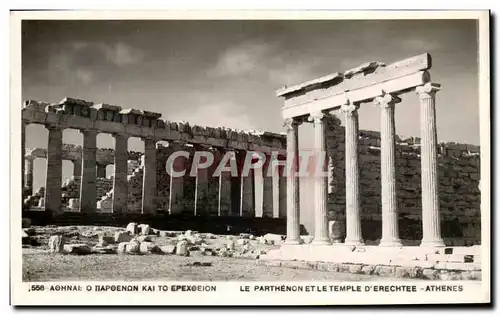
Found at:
(374, 82)
(379, 186)
(140, 183)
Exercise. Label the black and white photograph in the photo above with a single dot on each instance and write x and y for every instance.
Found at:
(315, 160)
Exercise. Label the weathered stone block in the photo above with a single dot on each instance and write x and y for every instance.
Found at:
(181, 248)
(132, 228)
(56, 243)
(133, 246)
(122, 248)
(168, 249)
(149, 247)
(121, 237)
(144, 229)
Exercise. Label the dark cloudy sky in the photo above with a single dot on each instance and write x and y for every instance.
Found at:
(225, 73)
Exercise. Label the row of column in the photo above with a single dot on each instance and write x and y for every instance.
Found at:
(29, 162)
(390, 230)
(237, 195)
(88, 170)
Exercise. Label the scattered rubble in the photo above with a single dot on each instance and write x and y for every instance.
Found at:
(141, 239)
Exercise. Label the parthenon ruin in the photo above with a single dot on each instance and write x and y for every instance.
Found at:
(149, 179)
(379, 186)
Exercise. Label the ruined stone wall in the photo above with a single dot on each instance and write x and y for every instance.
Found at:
(71, 188)
(458, 171)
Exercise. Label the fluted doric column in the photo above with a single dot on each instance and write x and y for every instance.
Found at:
(320, 189)
(225, 184)
(267, 189)
(431, 224)
(149, 179)
(88, 189)
(53, 179)
(120, 182)
(201, 193)
(247, 196)
(353, 215)
(390, 227)
(292, 183)
(176, 196)
(28, 174)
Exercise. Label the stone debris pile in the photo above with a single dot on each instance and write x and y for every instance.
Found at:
(142, 239)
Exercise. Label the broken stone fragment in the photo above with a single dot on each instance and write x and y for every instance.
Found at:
(168, 249)
(132, 228)
(230, 245)
(122, 247)
(56, 243)
(122, 237)
(195, 239)
(210, 236)
(262, 240)
(242, 241)
(143, 238)
(223, 252)
(245, 248)
(167, 234)
(144, 229)
(275, 239)
(133, 246)
(181, 248)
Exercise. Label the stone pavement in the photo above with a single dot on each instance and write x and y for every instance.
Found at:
(445, 263)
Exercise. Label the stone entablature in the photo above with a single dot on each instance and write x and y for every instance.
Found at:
(73, 152)
(358, 85)
(79, 114)
(137, 193)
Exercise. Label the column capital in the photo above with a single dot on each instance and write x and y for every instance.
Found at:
(428, 90)
(89, 130)
(52, 127)
(349, 109)
(291, 123)
(386, 100)
(316, 117)
(120, 134)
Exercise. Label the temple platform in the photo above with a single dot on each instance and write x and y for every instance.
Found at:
(410, 261)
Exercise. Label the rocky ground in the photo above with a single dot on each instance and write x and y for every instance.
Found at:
(139, 252)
